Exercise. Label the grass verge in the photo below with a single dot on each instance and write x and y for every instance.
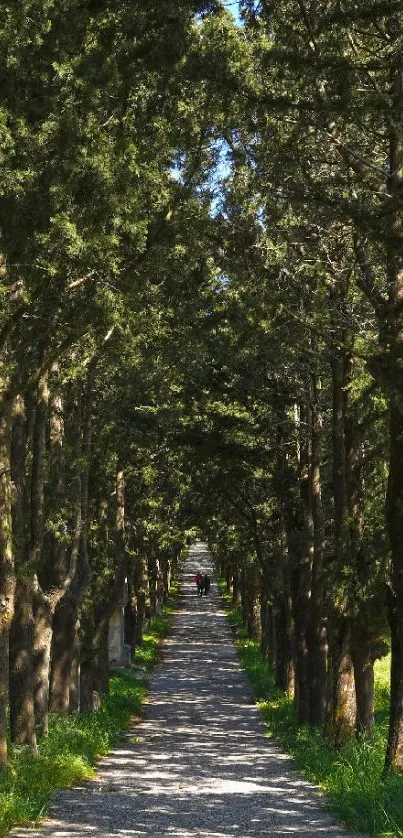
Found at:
(350, 777)
(74, 744)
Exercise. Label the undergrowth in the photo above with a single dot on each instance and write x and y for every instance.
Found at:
(351, 777)
(74, 744)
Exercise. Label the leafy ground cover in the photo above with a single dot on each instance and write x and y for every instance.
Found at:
(357, 792)
(69, 754)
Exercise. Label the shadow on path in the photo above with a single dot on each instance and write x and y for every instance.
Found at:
(200, 764)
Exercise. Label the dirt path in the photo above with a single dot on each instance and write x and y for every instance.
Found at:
(199, 765)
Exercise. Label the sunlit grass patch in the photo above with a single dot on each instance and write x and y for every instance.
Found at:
(147, 655)
(382, 690)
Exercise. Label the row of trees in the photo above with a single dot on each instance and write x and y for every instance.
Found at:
(307, 426)
(201, 276)
(104, 144)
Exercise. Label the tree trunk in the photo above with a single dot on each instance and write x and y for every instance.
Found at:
(86, 684)
(302, 559)
(266, 639)
(166, 575)
(58, 569)
(153, 580)
(63, 645)
(363, 635)
(43, 616)
(253, 623)
(7, 577)
(338, 365)
(235, 584)
(95, 663)
(18, 477)
(142, 598)
(53, 576)
(22, 711)
(285, 480)
(64, 642)
(228, 577)
(87, 658)
(363, 660)
(283, 642)
(22, 632)
(341, 704)
(393, 348)
(394, 505)
(160, 588)
(131, 615)
(74, 690)
(244, 597)
(37, 476)
(101, 661)
(316, 632)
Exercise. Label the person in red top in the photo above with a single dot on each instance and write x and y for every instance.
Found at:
(199, 578)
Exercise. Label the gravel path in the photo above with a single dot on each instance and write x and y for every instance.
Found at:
(200, 764)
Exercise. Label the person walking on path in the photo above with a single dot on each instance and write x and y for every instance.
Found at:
(206, 584)
(170, 781)
(199, 582)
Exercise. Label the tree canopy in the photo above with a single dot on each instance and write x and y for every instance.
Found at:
(201, 334)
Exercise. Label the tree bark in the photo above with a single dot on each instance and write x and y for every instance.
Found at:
(57, 486)
(363, 636)
(18, 477)
(63, 644)
(394, 511)
(394, 349)
(283, 646)
(166, 575)
(235, 583)
(153, 581)
(285, 481)
(101, 660)
(43, 618)
(266, 623)
(131, 613)
(74, 684)
(112, 597)
(244, 596)
(302, 558)
(7, 577)
(22, 708)
(363, 660)
(341, 703)
(228, 577)
(253, 623)
(316, 632)
(142, 598)
(22, 634)
(52, 576)
(37, 476)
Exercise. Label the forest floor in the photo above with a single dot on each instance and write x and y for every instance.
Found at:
(199, 764)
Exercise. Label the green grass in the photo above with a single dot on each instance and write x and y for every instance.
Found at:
(351, 777)
(70, 752)
(68, 755)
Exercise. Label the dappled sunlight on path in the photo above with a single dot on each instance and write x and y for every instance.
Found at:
(200, 764)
